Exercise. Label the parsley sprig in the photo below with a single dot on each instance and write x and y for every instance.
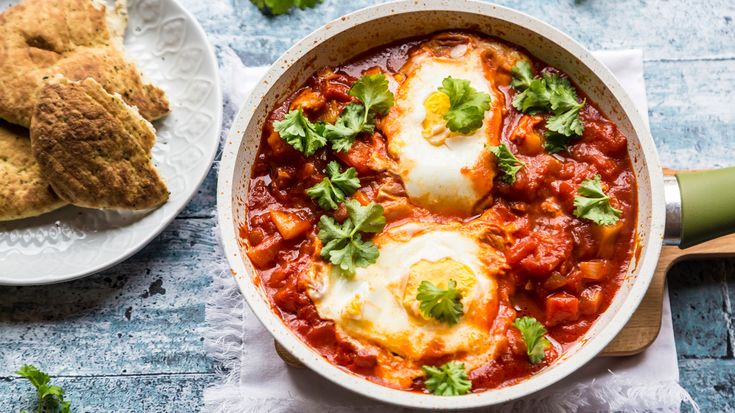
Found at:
(553, 94)
(306, 137)
(276, 7)
(533, 333)
(508, 164)
(298, 131)
(442, 305)
(334, 188)
(343, 243)
(50, 398)
(449, 379)
(593, 204)
(467, 105)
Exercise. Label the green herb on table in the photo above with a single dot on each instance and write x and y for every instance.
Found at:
(343, 243)
(467, 105)
(299, 132)
(551, 94)
(533, 333)
(333, 189)
(449, 379)
(593, 204)
(442, 305)
(276, 7)
(50, 398)
(508, 164)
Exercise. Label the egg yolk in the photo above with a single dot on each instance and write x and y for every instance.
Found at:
(435, 126)
(438, 273)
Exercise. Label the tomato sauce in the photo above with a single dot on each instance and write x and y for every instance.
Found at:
(564, 271)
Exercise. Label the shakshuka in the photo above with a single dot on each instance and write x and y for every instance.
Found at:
(444, 215)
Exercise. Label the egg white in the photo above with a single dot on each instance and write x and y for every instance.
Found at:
(438, 177)
(381, 316)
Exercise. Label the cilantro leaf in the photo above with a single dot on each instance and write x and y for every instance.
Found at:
(556, 142)
(449, 379)
(373, 92)
(522, 75)
(50, 398)
(367, 218)
(276, 7)
(298, 131)
(442, 305)
(534, 99)
(335, 187)
(467, 106)
(533, 334)
(552, 94)
(593, 204)
(508, 164)
(343, 243)
(351, 123)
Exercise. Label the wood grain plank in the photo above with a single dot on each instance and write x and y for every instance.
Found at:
(710, 383)
(680, 30)
(142, 316)
(122, 394)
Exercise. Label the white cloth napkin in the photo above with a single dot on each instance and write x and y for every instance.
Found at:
(255, 379)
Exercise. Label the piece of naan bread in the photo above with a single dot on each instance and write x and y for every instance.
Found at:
(40, 39)
(94, 149)
(24, 192)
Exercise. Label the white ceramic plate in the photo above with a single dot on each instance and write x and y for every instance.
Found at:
(172, 51)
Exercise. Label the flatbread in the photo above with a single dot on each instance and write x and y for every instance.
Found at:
(40, 39)
(24, 192)
(94, 149)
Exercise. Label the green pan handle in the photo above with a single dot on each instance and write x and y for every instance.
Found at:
(707, 205)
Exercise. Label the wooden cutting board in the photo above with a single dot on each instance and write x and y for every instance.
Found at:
(644, 325)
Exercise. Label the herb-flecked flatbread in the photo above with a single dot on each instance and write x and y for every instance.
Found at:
(24, 192)
(40, 39)
(94, 149)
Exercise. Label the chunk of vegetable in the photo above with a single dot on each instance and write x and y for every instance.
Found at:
(594, 270)
(264, 254)
(607, 235)
(289, 224)
(560, 308)
(590, 300)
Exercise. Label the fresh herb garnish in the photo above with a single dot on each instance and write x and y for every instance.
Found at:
(467, 105)
(508, 164)
(276, 7)
(533, 335)
(442, 305)
(298, 131)
(307, 137)
(552, 94)
(335, 187)
(593, 204)
(353, 121)
(50, 398)
(373, 92)
(449, 379)
(343, 243)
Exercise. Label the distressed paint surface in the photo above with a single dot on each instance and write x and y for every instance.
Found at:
(130, 339)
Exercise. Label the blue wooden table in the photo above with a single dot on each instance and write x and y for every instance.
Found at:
(130, 339)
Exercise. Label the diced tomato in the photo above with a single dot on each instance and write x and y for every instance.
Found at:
(289, 224)
(594, 270)
(264, 254)
(560, 308)
(357, 157)
(309, 101)
(590, 300)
